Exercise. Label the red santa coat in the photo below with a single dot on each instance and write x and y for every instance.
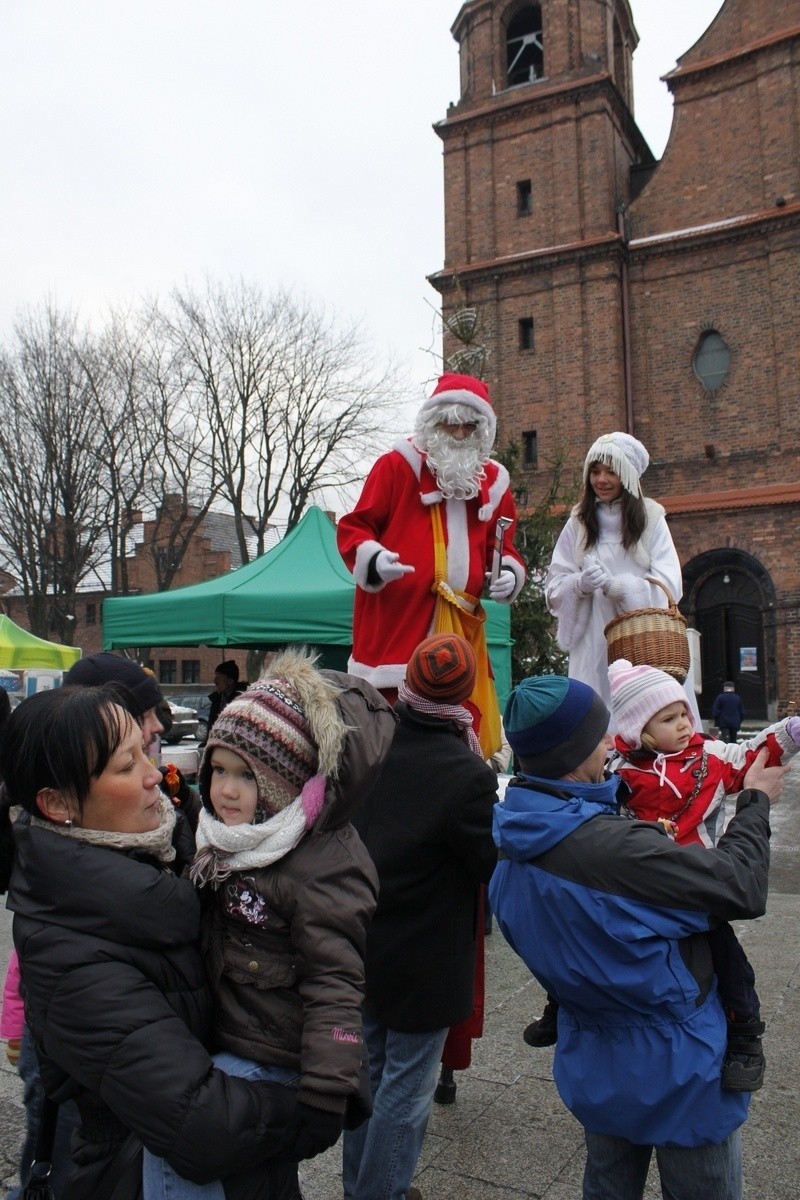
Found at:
(689, 787)
(393, 513)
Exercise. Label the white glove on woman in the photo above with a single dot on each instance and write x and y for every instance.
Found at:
(503, 586)
(593, 576)
(388, 566)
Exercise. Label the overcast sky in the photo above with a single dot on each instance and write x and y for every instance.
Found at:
(286, 141)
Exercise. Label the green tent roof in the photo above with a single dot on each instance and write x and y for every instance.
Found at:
(24, 651)
(299, 591)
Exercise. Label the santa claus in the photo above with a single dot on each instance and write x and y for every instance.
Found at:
(421, 540)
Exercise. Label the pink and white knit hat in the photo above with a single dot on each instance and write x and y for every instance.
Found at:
(637, 694)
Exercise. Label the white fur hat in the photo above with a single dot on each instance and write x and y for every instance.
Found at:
(637, 694)
(624, 454)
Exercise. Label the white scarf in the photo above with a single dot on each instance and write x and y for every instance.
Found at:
(223, 849)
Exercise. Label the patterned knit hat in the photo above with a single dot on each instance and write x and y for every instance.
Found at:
(553, 724)
(287, 728)
(463, 389)
(624, 454)
(637, 694)
(442, 669)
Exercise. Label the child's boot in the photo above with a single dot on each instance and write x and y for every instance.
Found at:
(743, 1069)
(544, 1032)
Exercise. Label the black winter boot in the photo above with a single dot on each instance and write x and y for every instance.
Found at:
(446, 1088)
(544, 1032)
(743, 1069)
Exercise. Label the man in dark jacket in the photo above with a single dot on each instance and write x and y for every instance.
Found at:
(611, 915)
(226, 686)
(427, 826)
(728, 712)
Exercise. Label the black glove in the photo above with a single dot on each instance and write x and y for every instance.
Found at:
(318, 1130)
(359, 1104)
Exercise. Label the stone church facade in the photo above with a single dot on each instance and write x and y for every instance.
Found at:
(662, 298)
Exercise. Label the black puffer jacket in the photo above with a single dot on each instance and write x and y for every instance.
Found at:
(117, 1002)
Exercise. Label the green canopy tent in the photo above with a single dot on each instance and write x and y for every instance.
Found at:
(299, 591)
(23, 651)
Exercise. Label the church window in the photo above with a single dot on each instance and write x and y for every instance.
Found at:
(712, 360)
(526, 333)
(525, 47)
(530, 448)
(524, 198)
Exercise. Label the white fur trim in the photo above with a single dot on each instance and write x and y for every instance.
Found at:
(463, 396)
(457, 545)
(411, 454)
(431, 497)
(364, 556)
(387, 675)
(415, 459)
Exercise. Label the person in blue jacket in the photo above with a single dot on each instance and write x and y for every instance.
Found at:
(610, 915)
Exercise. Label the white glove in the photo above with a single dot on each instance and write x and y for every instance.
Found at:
(593, 576)
(503, 586)
(614, 587)
(389, 567)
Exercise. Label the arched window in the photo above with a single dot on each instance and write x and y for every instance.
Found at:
(525, 46)
(712, 360)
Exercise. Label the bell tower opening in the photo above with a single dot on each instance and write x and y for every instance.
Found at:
(525, 46)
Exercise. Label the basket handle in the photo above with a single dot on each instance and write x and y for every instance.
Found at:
(671, 603)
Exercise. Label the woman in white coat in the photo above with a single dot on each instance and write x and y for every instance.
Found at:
(614, 538)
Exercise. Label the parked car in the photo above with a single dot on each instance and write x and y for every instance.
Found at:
(184, 723)
(201, 704)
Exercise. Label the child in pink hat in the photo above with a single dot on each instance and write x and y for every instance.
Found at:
(680, 779)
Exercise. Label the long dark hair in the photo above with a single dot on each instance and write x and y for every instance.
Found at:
(634, 516)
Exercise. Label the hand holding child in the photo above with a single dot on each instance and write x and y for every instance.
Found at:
(765, 779)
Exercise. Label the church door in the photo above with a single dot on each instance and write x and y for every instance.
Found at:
(728, 614)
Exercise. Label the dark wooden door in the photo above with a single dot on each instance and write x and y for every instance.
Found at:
(728, 615)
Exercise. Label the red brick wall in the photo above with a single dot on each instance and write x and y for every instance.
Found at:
(732, 154)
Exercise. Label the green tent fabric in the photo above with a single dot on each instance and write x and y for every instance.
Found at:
(22, 651)
(299, 591)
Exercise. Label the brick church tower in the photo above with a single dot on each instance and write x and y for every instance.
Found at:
(663, 298)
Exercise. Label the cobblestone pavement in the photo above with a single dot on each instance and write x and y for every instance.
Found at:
(508, 1135)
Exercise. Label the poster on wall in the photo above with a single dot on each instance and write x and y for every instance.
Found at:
(748, 659)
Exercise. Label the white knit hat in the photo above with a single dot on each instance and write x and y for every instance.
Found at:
(624, 454)
(637, 694)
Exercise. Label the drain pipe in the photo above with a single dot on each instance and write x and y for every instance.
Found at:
(624, 279)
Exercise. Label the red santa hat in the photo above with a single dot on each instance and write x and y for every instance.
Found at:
(462, 389)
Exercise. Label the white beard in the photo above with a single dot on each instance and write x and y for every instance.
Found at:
(458, 466)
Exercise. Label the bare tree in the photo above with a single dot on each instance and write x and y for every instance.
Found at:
(52, 469)
(293, 403)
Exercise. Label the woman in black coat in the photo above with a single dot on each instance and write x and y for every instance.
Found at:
(113, 983)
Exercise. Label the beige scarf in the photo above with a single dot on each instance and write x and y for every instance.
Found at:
(156, 842)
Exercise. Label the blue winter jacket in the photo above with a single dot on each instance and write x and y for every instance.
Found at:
(610, 915)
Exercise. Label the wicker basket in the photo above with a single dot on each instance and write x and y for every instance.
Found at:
(652, 636)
